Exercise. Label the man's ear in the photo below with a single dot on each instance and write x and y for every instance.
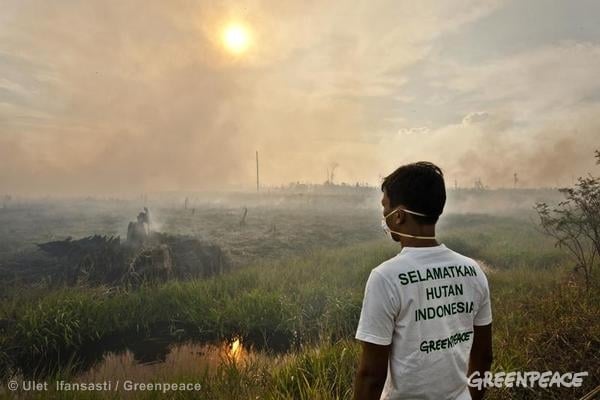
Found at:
(400, 217)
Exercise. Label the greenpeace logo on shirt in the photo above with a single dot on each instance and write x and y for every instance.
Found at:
(446, 343)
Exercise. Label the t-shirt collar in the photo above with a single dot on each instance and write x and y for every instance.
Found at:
(409, 249)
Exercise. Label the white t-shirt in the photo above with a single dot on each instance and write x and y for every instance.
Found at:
(425, 301)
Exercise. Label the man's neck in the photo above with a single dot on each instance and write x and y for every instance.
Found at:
(412, 242)
(423, 230)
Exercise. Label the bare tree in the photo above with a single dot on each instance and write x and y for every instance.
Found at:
(575, 222)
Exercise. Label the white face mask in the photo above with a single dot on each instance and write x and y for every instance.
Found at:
(389, 232)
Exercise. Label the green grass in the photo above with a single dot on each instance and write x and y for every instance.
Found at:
(504, 242)
(543, 319)
(272, 305)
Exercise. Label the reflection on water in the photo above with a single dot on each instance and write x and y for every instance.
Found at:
(184, 358)
(236, 350)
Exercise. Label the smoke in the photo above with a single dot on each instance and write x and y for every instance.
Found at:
(137, 101)
(129, 97)
(535, 113)
(550, 156)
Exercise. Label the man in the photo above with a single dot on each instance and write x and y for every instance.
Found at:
(425, 323)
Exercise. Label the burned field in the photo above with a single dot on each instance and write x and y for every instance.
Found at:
(94, 242)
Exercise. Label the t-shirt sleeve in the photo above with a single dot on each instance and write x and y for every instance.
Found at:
(484, 312)
(379, 309)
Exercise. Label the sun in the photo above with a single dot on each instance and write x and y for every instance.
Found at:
(236, 38)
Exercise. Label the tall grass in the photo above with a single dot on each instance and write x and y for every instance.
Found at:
(545, 320)
(504, 242)
(323, 372)
(273, 306)
(310, 306)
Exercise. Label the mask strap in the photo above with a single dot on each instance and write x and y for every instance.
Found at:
(407, 211)
(412, 236)
(406, 234)
(414, 212)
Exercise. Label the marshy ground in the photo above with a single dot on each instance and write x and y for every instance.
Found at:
(280, 323)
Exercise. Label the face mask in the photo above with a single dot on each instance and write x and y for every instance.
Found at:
(388, 231)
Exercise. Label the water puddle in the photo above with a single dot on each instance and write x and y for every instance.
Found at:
(163, 359)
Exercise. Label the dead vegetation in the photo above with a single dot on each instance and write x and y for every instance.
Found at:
(145, 257)
(105, 260)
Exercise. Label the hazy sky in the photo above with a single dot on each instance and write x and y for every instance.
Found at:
(130, 96)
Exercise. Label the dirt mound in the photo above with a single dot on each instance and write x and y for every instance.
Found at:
(194, 258)
(97, 260)
(94, 259)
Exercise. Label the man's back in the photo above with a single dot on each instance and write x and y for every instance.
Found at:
(425, 302)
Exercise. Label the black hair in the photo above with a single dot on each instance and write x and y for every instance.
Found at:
(419, 187)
